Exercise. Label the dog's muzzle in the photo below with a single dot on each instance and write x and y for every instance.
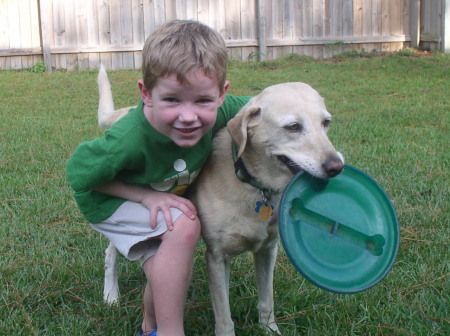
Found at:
(291, 165)
(332, 167)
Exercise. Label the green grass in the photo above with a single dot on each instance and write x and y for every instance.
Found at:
(391, 119)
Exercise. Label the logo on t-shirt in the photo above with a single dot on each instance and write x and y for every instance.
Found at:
(179, 182)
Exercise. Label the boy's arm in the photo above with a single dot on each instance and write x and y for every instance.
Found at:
(93, 166)
(155, 201)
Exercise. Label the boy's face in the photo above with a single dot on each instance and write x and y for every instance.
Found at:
(183, 112)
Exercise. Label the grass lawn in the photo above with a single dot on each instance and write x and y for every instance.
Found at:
(391, 119)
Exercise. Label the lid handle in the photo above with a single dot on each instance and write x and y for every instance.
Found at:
(373, 244)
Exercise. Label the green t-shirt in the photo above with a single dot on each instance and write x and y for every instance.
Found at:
(133, 151)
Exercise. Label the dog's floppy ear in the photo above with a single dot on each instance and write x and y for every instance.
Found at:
(238, 126)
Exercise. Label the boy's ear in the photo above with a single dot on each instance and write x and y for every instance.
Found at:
(226, 85)
(146, 95)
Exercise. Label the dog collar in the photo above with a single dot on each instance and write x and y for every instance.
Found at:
(243, 175)
(263, 208)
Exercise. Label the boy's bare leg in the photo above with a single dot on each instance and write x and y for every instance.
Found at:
(168, 275)
(149, 322)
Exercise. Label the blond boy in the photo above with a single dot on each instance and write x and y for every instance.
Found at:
(129, 184)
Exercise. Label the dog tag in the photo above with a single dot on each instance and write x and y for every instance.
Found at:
(264, 210)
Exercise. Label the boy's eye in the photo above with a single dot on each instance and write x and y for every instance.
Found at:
(204, 101)
(170, 100)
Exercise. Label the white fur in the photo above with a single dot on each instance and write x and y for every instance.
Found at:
(111, 287)
(107, 115)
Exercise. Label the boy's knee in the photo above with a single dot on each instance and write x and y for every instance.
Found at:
(196, 229)
(190, 227)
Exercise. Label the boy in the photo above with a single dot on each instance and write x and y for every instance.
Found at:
(129, 183)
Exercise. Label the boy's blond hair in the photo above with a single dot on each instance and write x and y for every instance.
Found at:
(180, 46)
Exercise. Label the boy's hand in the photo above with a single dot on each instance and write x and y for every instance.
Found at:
(157, 201)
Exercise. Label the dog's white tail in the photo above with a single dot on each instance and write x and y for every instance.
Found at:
(105, 103)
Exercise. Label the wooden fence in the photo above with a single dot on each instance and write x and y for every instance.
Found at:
(435, 25)
(81, 34)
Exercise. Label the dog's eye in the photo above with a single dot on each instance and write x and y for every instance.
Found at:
(326, 123)
(294, 127)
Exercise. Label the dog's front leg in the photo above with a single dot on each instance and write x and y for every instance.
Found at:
(219, 283)
(265, 260)
(111, 286)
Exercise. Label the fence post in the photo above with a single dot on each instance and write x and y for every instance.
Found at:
(446, 27)
(415, 23)
(43, 33)
(262, 40)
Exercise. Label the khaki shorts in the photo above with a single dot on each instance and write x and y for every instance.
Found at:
(128, 229)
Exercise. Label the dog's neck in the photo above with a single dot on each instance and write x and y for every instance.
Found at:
(243, 175)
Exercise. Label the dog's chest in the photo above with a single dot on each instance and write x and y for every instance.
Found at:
(249, 234)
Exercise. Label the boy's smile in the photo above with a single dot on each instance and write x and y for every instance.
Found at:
(183, 112)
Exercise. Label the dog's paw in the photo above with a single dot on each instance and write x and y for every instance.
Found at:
(272, 329)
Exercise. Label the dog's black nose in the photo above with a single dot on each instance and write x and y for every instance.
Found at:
(333, 167)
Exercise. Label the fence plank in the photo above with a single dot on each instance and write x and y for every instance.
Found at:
(366, 22)
(385, 22)
(191, 10)
(159, 11)
(71, 29)
(317, 27)
(81, 26)
(262, 39)
(307, 20)
(44, 33)
(203, 11)
(326, 31)
(298, 26)
(138, 30)
(116, 33)
(232, 28)
(213, 15)
(336, 26)
(25, 29)
(357, 18)
(93, 32)
(348, 17)
(248, 28)
(14, 33)
(126, 32)
(59, 34)
(149, 17)
(104, 34)
(170, 11)
(288, 24)
(376, 17)
(181, 9)
(5, 62)
(431, 17)
(221, 18)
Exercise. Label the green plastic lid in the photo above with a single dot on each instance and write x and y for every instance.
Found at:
(341, 234)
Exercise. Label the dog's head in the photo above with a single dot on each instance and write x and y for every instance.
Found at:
(284, 130)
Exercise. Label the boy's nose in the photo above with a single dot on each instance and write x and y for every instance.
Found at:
(187, 115)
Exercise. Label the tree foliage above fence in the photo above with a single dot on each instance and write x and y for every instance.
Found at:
(81, 34)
